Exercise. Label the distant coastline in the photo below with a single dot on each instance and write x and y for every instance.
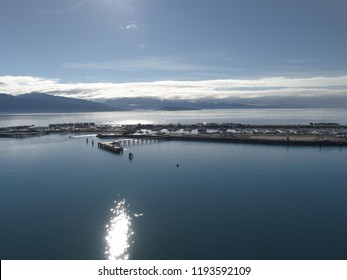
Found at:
(322, 134)
(46, 103)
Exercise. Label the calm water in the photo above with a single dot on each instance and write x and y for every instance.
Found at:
(250, 116)
(224, 201)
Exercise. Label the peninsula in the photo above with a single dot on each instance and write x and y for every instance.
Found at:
(322, 134)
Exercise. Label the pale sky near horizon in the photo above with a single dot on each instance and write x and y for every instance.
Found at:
(235, 49)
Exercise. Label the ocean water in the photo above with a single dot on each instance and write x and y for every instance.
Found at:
(61, 198)
(245, 116)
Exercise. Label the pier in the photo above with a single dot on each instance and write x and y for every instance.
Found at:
(135, 139)
(117, 145)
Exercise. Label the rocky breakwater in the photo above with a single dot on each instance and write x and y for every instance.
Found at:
(326, 134)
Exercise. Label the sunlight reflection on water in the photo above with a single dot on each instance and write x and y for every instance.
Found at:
(119, 232)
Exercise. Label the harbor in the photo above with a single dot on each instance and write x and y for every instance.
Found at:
(322, 134)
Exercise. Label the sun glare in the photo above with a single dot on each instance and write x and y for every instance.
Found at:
(118, 233)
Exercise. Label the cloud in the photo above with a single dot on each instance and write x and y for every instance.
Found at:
(153, 63)
(65, 10)
(266, 90)
(129, 26)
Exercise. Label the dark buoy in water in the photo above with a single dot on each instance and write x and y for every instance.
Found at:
(131, 156)
(177, 165)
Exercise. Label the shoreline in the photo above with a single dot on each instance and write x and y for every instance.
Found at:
(314, 134)
(298, 140)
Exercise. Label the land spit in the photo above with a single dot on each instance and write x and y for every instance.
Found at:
(323, 134)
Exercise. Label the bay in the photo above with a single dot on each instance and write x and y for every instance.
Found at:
(174, 200)
(245, 116)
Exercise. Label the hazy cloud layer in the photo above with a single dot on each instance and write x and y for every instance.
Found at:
(64, 10)
(155, 63)
(271, 90)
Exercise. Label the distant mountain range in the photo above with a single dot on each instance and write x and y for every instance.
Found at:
(45, 103)
(172, 105)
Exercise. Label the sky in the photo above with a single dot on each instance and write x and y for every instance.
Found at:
(256, 51)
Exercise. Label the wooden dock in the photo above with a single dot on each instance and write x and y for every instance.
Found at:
(136, 139)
